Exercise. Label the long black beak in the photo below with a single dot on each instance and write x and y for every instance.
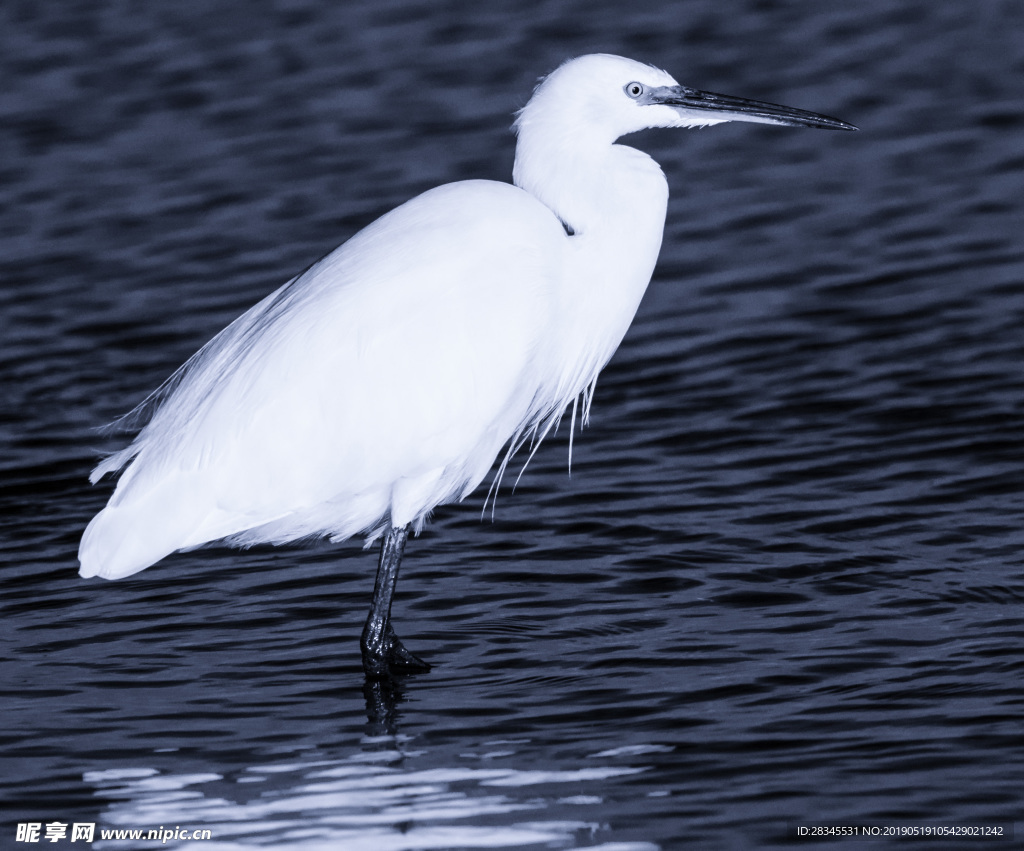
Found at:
(728, 108)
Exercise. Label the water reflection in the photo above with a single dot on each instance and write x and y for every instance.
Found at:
(382, 698)
(371, 800)
(377, 798)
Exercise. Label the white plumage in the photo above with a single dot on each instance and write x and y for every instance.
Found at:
(367, 388)
(385, 380)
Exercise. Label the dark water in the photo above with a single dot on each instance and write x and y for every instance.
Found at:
(784, 583)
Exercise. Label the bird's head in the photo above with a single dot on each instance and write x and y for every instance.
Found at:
(603, 97)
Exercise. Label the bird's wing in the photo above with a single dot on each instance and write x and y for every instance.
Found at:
(398, 364)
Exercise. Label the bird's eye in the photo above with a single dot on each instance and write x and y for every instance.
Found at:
(634, 90)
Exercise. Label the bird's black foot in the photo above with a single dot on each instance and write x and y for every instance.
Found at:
(387, 657)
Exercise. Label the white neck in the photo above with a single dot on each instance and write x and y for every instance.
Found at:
(613, 200)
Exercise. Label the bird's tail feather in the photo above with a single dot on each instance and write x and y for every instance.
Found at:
(132, 533)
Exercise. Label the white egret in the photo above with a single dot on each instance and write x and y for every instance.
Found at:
(385, 380)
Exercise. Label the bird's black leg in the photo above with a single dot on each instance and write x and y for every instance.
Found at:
(383, 652)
